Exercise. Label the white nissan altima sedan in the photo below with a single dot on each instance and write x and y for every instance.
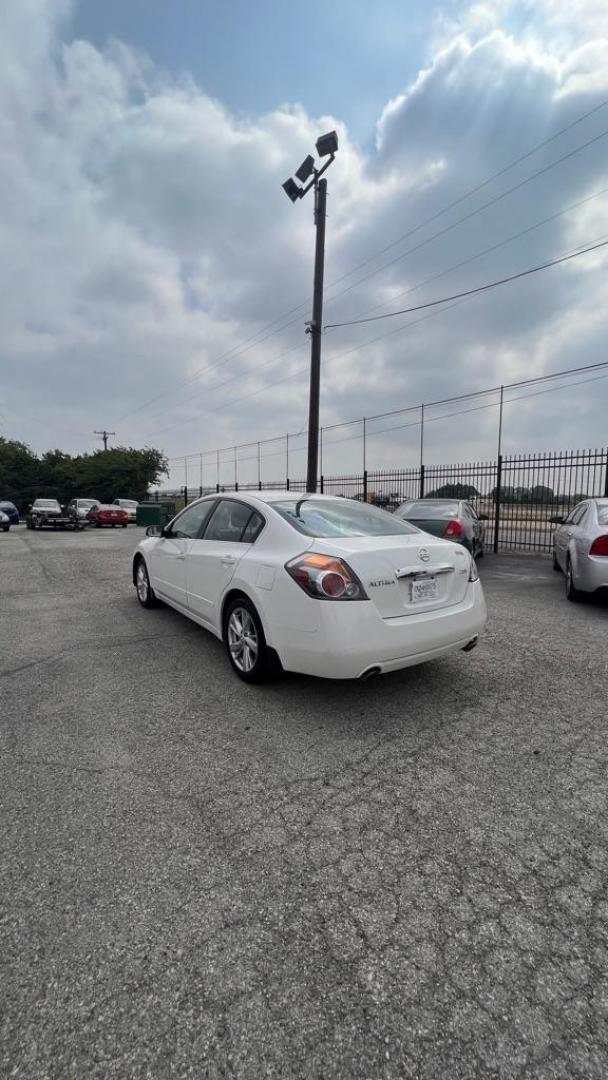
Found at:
(314, 584)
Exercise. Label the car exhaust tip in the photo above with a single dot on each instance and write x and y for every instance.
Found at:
(471, 644)
(370, 672)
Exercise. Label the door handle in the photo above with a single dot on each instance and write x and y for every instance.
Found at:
(228, 560)
(180, 556)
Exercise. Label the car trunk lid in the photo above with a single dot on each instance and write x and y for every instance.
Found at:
(404, 575)
(433, 526)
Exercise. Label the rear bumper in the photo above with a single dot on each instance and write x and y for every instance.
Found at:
(592, 573)
(349, 642)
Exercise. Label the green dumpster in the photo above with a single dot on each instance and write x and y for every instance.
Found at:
(155, 513)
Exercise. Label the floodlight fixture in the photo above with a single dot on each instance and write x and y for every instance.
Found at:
(292, 189)
(306, 169)
(327, 144)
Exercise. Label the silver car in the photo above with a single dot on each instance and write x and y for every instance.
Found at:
(5, 521)
(580, 547)
(81, 507)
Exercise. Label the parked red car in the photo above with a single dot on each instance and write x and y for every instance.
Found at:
(107, 515)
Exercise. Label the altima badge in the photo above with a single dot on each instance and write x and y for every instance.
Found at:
(424, 554)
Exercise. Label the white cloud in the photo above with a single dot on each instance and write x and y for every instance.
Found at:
(145, 235)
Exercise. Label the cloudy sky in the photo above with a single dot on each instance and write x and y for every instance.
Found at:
(155, 280)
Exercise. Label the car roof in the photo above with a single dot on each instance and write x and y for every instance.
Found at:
(265, 496)
(436, 502)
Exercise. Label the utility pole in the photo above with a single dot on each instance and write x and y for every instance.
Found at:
(105, 436)
(326, 146)
(315, 329)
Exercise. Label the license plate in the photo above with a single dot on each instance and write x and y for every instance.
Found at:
(426, 589)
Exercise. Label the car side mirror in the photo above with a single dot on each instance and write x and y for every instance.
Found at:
(557, 520)
(483, 517)
(154, 530)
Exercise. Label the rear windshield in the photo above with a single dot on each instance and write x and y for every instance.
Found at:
(423, 510)
(126, 502)
(47, 502)
(339, 517)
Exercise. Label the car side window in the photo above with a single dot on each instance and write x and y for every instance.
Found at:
(229, 521)
(190, 524)
(576, 515)
(253, 528)
(569, 520)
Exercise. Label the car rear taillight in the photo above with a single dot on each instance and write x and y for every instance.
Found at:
(454, 529)
(599, 546)
(325, 577)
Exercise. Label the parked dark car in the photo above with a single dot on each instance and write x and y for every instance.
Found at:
(48, 513)
(108, 515)
(451, 519)
(10, 510)
(45, 513)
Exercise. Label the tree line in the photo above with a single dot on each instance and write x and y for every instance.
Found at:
(121, 472)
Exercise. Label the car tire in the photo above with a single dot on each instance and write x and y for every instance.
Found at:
(5, 528)
(479, 551)
(556, 565)
(248, 653)
(124, 526)
(572, 592)
(97, 525)
(145, 592)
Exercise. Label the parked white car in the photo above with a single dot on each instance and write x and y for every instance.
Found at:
(130, 505)
(580, 547)
(319, 585)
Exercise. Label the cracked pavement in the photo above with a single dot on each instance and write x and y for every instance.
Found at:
(399, 879)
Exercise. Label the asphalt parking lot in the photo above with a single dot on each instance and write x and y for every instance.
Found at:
(399, 879)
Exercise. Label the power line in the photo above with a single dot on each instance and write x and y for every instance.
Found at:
(473, 292)
(252, 341)
(413, 288)
(472, 213)
(520, 383)
(492, 248)
(473, 191)
(465, 412)
(427, 420)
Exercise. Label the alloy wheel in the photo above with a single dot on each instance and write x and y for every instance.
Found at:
(142, 585)
(242, 639)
